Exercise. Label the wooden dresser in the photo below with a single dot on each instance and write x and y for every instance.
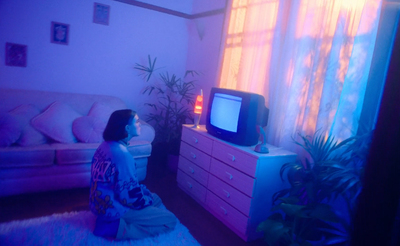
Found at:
(234, 183)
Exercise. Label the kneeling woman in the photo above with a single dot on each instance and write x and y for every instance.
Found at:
(125, 209)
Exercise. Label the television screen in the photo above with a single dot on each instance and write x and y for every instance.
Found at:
(233, 115)
(225, 111)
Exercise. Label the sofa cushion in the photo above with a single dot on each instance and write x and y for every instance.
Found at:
(56, 122)
(17, 156)
(88, 129)
(101, 111)
(10, 129)
(139, 148)
(29, 135)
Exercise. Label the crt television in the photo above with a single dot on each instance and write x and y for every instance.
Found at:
(233, 115)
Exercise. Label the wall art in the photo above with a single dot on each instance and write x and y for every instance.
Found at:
(59, 33)
(101, 13)
(16, 54)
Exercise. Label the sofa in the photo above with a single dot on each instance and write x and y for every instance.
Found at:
(47, 139)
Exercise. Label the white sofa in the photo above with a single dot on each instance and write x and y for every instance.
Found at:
(47, 139)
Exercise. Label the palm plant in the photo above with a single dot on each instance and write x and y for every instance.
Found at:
(173, 104)
(305, 215)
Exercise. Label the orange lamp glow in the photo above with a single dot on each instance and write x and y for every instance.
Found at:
(198, 107)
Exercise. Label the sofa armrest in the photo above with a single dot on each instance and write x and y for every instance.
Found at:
(147, 132)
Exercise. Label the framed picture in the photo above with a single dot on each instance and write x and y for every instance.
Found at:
(101, 13)
(16, 55)
(59, 33)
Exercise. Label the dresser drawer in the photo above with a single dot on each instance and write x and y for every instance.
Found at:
(233, 177)
(192, 187)
(230, 195)
(235, 158)
(197, 140)
(196, 156)
(193, 170)
(226, 213)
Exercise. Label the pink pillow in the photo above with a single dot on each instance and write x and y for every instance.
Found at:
(101, 111)
(88, 129)
(10, 130)
(29, 135)
(56, 122)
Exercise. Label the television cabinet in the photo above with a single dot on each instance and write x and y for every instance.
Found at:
(234, 183)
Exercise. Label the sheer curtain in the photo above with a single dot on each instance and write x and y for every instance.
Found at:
(309, 58)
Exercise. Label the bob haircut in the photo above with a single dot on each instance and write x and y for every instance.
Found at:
(115, 129)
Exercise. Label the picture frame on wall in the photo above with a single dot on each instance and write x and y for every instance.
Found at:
(16, 54)
(59, 33)
(101, 14)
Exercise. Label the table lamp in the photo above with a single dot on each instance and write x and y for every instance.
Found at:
(198, 109)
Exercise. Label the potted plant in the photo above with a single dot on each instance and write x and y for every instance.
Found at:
(307, 212)
(171, 103)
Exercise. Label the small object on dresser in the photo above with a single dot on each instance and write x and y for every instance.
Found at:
(262, 147)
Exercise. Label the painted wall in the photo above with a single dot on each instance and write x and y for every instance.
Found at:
(205, 45)
(204, 53)
(200, 6)
(183, 6)
(99, 59)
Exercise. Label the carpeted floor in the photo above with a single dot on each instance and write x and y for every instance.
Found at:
(75, 228)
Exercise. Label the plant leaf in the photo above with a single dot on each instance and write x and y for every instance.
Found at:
(147, 70)
(273, 230)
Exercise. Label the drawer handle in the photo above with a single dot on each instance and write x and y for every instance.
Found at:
(190, 185)
(193, 155)
(227, 194)
(195, 140)
(191, 170)
(230, 175)
(223, 209)
(232, 157)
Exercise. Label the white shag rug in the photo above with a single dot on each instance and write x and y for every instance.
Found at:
(76, 228)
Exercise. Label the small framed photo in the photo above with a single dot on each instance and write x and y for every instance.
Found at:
(16, 55)
(101, 13)
(59, 33)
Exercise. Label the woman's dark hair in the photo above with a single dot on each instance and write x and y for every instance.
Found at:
(115, 129)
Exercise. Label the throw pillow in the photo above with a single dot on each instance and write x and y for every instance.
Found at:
(101, 111)
(10, 130)
(88, 129)
(56, 122)
(29, 135)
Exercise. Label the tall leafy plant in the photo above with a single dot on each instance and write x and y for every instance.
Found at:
(171, 102)
(304, 212)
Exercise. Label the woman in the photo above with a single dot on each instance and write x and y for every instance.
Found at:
(125, 209)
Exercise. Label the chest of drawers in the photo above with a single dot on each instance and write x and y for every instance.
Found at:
(234, 183)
